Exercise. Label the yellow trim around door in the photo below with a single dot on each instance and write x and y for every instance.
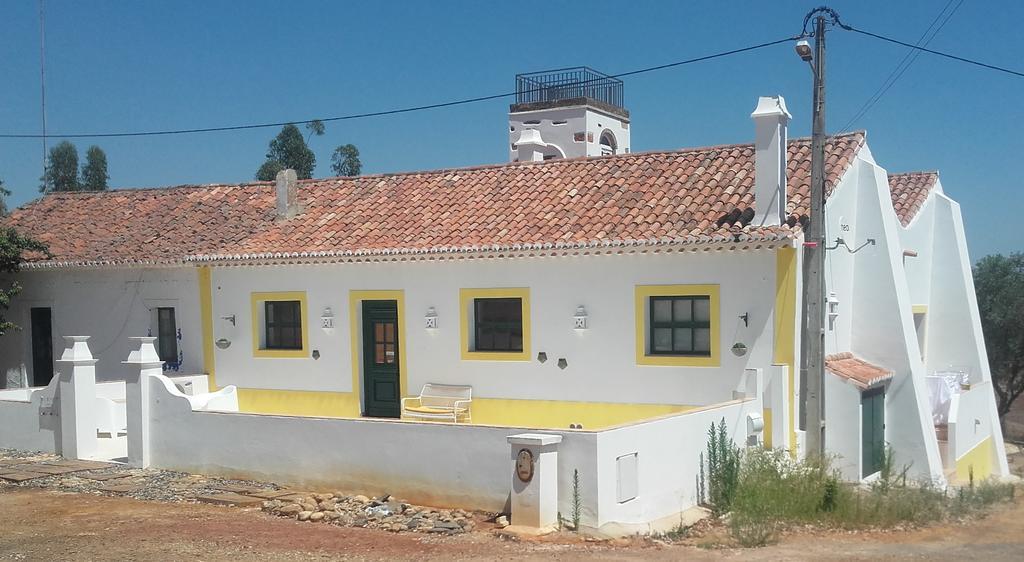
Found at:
(644, 292)
(258, 298)
(206, 325)
(785, 329)
(355, 334)
(466, 297)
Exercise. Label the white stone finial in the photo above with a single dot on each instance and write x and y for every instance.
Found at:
(145, 354)
(76, 350)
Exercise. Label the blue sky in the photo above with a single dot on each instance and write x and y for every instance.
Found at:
(114, 66)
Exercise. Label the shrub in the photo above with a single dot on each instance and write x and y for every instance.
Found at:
(723, 467)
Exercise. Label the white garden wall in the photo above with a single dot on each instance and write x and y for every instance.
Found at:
(28, 420)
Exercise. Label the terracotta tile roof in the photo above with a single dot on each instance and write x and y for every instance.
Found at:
(685, 196)
(856, 370)
(909, 191)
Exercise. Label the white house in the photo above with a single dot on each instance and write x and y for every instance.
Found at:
(584, 292)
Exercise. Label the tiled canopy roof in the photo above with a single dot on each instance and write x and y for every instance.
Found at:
(909, 191)
(687, 197)
(856, 370)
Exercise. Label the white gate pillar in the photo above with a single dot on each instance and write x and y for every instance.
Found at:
(147, 363)
(76, 391)
(534, 479)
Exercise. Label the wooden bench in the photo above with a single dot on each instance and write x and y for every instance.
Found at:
(448, 402)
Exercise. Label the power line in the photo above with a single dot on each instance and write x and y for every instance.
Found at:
(934, 52)
(389, 111)
(908, 59)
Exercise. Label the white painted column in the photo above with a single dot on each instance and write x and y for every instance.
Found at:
(76, 390)
(147, 363)
(535, 500)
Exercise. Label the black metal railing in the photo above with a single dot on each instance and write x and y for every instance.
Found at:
(568, 83)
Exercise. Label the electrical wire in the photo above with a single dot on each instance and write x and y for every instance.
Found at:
(934, 52)
(389, 111)
(904, 64)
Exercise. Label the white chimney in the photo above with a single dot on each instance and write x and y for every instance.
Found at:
(530, 146)
(770, 120)
(287, 194)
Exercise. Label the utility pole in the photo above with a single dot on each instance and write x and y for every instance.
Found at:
(812, 348)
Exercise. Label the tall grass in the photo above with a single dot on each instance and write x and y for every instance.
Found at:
(772, 492)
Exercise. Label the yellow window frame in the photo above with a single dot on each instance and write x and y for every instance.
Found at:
(257, 300)
(643, 293)
(466, 298)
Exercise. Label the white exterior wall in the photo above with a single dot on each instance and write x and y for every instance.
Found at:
(585, 119)
(28, 420)
(602, 363)
(875, 321)
(843, 432)
(940, 277)
(110, 305)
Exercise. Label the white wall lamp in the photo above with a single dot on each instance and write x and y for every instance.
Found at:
(327, 320)
(833, 310)
(430, 319)
(580, 318)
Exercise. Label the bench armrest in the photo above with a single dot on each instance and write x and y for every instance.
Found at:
(459, 403)
(405, 401)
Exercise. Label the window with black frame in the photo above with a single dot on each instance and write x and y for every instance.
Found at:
(283, 322)
(680, 325)
(498, 324)
(166, 335)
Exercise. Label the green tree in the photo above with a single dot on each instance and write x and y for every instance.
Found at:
(13, 247)
(4, 193)
(345, 161)
(61, 168)
(288, 150)
(94, 172)
(999, 284)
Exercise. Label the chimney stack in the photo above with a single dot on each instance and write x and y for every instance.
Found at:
(287, 194)
(770, 120)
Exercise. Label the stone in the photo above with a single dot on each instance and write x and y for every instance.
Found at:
(501, 521)
(450, 526)
(307, 506)
(322, 497)
(318, 516)
(289, 510)
(85, 465)
(304, 515)
(46, 469)
(103, 477)
(21, 476)
(331, 516)
(361, 499)
(396, 506)
(270, 494)
(237, 488)
(327, 505)
(230, 498)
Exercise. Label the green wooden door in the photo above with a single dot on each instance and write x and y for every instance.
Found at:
(381, 386)
(872, 412)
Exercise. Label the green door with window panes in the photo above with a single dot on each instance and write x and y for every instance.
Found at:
(381, 385)
(872, 413)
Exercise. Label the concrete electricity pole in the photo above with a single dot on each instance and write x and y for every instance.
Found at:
(812, 348)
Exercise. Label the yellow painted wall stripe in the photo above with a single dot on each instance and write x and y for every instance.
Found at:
(768, 441)
(299, 403)
(980, 458)
(785, 328)
(206, 324)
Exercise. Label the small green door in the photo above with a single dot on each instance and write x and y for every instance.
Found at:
(381, 387)
(872, 412)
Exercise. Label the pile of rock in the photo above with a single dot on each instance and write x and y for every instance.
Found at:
(385, 513)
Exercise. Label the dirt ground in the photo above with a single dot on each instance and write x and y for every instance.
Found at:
(37, 524)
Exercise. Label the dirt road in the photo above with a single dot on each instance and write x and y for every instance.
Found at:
(45, 525)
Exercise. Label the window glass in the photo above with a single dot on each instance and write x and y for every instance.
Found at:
(167, 335)
(680, 325)
(283, 321)
(498, 324)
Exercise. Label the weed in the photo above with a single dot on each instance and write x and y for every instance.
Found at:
(577, 501)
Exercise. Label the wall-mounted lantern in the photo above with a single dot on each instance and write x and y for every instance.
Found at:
(739, 349)
(580, 318)
(223, 343)
(430, 319)
(327, 320)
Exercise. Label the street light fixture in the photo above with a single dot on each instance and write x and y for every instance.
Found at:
(803, 48)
